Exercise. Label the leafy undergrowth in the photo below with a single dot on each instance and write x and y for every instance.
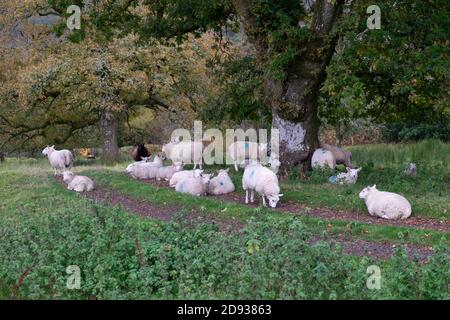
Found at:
(122, 256)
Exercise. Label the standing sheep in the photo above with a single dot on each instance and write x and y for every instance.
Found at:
(386, 205)
(323, 158)
(340, 155)
(181, 175)
(262, 180)
(221, 184)
(184, 152)
(197, 185)
(78, 183)
(239, 151)
(59, 159)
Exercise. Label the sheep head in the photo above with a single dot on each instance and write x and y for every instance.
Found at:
(273, 199)
(68, 176)
(48, 150)
(365, 192)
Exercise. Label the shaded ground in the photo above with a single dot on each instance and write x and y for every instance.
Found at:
(356, 247)
(298, 208)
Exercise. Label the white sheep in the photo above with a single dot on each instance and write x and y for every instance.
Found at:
(262, 180)
(167, 172)
(239, 151)
(323, 158)
(349, 177)
(145, 170)
(221, 184)
(387, 205)
(78, 183)
(181, 175)
(196, 185)
(184, 152)
(59, 159)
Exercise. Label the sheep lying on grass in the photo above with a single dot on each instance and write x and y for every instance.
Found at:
(78, 183)
(262, 180)
(239, 151)
(59, 159)
(411, 170)
(386, 205)
(349, 177)
(323, 158)
(166, 173)
(145, 170)
(181, 175)
(196, 185)
(184, 152)
(340, 155)
(221, 184)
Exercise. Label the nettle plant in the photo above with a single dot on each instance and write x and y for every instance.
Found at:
(126, 257)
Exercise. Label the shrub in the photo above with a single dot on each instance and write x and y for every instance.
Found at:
(127, 257)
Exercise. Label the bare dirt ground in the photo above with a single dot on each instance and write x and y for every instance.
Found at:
(351, 246)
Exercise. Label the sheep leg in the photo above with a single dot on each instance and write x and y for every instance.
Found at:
(235, 166)
(264, 201)
(56, 172)
(246, 196)
(252, 196)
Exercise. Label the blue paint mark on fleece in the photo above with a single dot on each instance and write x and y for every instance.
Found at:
(252, 174)
(333, 179)
(246, 146)
(221, 183)
(181, 187)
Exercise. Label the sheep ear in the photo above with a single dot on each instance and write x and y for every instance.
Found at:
(348, 169)
(280, 195)
(374, 186)
(52, 146)
(227, 169)
(359, 169)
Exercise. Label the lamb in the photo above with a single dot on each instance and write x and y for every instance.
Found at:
(342, 156)
(59, 159)
(411, 169)
(78, 183)
(239, 151)
(167, 172)
(181, 175)
(196, 185)
(349, 177)
(184, 152)
(262, 180)
(140, 152)
(323, 158)
(221, 184)
(386, 205)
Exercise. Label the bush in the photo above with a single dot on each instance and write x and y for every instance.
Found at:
(128, 257)
(396, 132)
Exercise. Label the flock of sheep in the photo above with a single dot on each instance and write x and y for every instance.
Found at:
(256, 177)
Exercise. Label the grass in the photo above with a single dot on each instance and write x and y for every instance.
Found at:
(45, 228)
(229, 210)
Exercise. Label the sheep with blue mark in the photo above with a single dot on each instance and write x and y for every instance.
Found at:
(262, 180)
(221, 184)
(196, 185)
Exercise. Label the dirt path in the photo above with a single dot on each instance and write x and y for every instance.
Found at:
(298, 208)
(356, 247)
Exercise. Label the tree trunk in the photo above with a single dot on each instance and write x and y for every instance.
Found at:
(293, 100)
(109, 130)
